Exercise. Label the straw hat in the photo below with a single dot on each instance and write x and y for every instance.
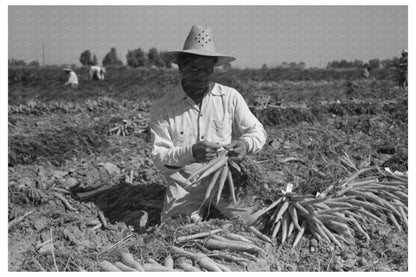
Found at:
(200, 41)
(68, 69)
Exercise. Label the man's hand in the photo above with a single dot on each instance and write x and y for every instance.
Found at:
(237, 150)
(204, 151)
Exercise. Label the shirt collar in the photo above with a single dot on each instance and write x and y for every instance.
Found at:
(213, 89)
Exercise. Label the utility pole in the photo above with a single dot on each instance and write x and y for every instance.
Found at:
(320, 57)
(43, 54)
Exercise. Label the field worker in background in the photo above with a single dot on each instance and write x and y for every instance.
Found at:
(366, 72)
(195, 120)
(96, 73)
(72, 78)
(403, 83)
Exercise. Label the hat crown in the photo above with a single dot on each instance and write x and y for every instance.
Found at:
(200, 38)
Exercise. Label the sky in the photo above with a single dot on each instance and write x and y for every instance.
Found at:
(255, 35)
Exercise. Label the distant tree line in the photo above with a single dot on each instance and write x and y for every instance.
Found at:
(372, 64)
(16, 62)
(135, 58)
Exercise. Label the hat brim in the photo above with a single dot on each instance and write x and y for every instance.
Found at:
(67, 69)
(222, 59)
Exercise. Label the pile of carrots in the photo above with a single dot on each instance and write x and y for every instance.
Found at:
(217, 245)
(341, 214)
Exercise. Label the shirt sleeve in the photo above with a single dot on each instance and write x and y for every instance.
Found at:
(248, 126)
(164, 153)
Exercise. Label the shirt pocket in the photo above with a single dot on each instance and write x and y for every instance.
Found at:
(222, 127)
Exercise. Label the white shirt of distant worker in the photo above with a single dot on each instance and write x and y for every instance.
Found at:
(72, 79)
(96, 72)
(196, 119)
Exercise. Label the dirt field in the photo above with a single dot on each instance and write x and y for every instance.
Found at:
(63, 144)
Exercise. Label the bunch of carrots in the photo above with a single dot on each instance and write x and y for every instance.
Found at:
(333, 218)
(218, 170)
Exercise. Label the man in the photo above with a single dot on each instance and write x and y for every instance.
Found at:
(96, 73)
(72, 78)
(189, 125)
(403, 81)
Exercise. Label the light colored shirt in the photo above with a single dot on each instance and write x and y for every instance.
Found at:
(98, 70)
(73, 79)
(177, 123)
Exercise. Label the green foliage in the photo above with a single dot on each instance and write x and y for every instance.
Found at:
(85, 58)
(374, 63)
(165, 59)
(34, 64)
(16, 62)
(136, 58)
(94, 60)
(111, 58)
(154, 58)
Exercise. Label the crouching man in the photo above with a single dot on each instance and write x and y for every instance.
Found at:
(192, 122)
(96, 73)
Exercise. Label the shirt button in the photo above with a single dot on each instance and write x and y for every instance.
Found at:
(200, 115)
(202, 137)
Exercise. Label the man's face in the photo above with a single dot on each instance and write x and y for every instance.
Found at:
(197, 71)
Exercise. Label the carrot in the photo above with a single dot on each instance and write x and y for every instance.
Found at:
(300, 233)
(338, 204)
(211, 185)
(168, 262)
(359, 228)
(294, 216)
(128, 259)
(284, 227)
(204, 168)
(313, 201)
(300, 197)
(223, 267)
(260, 234)
(221, 255)
(231, 187)
(223, 177)
(302, 210)
(331, 236)
(394, 221)
(198, 235)
(220, 163)
(367, 213)
(107, 266)
(274, 204)
(235, 165)
(93, 222)
(314, 225)
(232, 236)
(276, 229)
(403, 215)
(64, 201)
(209, 265)
(231, 245)
(334, 210)
(219, 238)
(188, 267)
(151, 267)
(290, 228)
(102, 218)
(124, 267)
(282, 210)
